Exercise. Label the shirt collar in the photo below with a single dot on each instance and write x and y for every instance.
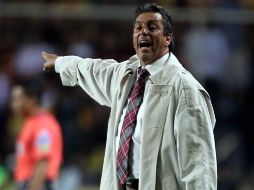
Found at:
(156, 66)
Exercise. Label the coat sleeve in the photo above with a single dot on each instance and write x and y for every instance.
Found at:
(193, 128)
(99, 78)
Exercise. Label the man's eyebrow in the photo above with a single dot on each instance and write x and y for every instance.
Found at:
(137, 22)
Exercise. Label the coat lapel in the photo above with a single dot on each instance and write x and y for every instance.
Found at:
(125, 88)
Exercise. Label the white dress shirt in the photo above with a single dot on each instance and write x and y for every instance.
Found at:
(136, 138)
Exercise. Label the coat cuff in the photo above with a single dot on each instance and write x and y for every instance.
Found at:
(58, 64)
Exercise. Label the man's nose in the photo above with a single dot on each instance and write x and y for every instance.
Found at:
(144, 30)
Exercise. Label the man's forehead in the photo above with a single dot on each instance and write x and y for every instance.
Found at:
(148, 17)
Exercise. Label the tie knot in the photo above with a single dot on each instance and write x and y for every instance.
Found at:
(142, 73)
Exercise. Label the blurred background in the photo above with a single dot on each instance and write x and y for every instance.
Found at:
(214, 40)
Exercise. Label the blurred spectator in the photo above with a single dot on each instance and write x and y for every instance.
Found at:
(27, 59)
(80, 46)
(82, 49)
(237, 72)
(205, 51)
(39, 143)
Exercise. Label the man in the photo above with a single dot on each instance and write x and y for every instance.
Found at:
(160, 131)
(39, 144)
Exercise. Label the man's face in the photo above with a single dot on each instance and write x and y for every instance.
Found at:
(148, 37)
(18, 100)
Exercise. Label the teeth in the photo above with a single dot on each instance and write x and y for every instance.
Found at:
(144, 43)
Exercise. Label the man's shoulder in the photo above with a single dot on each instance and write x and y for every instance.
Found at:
(177, 75)
(129, 65)
(131, 62)
(182, 79)
(188, 80)
(190, 86)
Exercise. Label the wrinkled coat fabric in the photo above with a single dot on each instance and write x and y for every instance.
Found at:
(177, 141)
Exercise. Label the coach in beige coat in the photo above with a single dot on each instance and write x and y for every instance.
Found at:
(177, 149)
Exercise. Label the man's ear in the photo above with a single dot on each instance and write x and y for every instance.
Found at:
(168, 39)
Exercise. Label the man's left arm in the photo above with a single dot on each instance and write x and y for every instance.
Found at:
(39, 175)
(194, 123)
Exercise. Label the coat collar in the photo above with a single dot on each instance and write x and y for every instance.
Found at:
(161, 77)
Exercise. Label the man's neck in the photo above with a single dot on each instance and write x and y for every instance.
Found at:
(144, 63)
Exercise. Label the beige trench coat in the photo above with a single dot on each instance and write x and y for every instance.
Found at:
(177, 141)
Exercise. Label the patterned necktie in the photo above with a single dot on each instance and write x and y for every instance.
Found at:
(129, 124)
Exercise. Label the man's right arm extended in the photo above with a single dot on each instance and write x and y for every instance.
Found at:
(99, 78)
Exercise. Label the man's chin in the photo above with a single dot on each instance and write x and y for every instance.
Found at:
(144, 58)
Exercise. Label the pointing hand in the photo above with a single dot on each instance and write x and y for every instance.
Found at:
(49, 61)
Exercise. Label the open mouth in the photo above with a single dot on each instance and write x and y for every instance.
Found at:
(143, 44)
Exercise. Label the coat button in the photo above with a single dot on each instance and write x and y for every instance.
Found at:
(164, 92)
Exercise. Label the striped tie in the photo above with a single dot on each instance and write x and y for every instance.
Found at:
(129, 124)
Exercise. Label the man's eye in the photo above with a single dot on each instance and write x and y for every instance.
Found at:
(152, 28)
(138, 28)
